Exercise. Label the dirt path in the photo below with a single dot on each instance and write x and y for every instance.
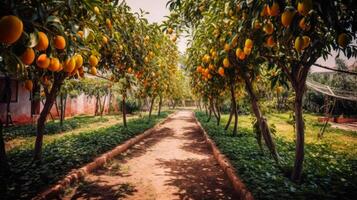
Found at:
(173, 163)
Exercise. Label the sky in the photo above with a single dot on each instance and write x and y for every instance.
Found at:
(157, 12)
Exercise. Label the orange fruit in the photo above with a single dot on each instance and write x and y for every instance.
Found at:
(221, 71)
(105, 40)
(174, 38)
(60, 42)
(287, 17)
(299, 43)
(170, 31)
(206, 59)
(108, 22)
(28, 56)
(130, 70)
(304, 7)
(226, 63)
(80, 34)
(268, 28)
(303, 25)
(199, 69)
(257, 24)
(306, 41)
(42, 41)
(54, 65)
(43, 61)
(265, 10)
(93, 61)
(28, 85)
(96, 10)
(274, 9)
(248, 43)
(211, 66)
(227, 47)
(93, 71)
(79, 60)
(238, 52)
(270, 41)
(247, 50)
(11, 29)
(69, 65)
(343, 40)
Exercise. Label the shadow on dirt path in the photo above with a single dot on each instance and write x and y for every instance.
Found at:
(173, 163)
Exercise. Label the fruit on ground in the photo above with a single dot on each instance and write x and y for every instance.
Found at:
(28, 85)
(93, 71)
(343, 40)
(268, 28)
(274, 9)
(299, 43)
(304, 7)
(306, 41)
(248, 43)
(42, 41)
(11, 28)
(54, 65)
(60, 42)
(69, 65)
(28, 56)
(221, 71)
(287, 17)
(43, 61)
(226, 63)
(93, 61)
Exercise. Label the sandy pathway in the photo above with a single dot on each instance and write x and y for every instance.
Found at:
(173, 163)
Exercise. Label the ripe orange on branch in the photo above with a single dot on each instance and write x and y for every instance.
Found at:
(28, 56)
(60, 42)
(43, 61)
(221, 71)
(42, 41)
(69, 65)
(268, 28)
(54, 65)
(287, 17)
(304, 7)
(11, 28)
(273, 10)
(93, 61)
(226, 63)
(299, 43)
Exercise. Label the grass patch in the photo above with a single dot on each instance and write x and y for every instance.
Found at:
(328, 174)
(52, 127)
(64, 154)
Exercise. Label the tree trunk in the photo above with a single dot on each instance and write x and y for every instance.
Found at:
(123, 108)
(263, 125)
(229, 119)
(50, 99)
(234, 109)
(160, 104)
(299, 124)
(151, 106)
(209, 115)
(103, 106)
(214, 111)
(4, 165)
(218, 110)
(8, 100)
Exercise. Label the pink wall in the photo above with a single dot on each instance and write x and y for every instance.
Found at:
(21, 110)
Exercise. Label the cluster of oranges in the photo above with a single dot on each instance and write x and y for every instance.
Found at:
(73, 65)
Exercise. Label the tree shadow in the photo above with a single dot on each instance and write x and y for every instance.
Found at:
(196, 142)
(199, 179)
(103, 191)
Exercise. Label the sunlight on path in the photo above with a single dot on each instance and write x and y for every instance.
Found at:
(174, 163)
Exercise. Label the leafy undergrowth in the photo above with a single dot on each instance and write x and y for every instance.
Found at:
(327, 174)
(64, 154)
(52, 127)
